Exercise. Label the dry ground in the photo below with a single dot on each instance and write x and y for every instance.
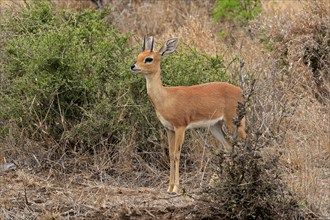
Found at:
(25, 194)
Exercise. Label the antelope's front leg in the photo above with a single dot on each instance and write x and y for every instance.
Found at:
(171, 141)
(179, 137)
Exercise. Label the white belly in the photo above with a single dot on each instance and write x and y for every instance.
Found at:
(204, 124)
(198, 124)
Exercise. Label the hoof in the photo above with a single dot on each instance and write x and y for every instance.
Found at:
(176, 190)
(170, 189)
(171, 193)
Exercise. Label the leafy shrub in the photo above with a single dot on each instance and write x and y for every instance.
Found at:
(61, 65)
(241, 10)
(189, 67)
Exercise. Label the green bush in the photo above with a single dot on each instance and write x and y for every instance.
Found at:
(69, 83)
(188, 67)
(241, 10)
(61, 65)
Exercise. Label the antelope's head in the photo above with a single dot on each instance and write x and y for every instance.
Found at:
(148, 60)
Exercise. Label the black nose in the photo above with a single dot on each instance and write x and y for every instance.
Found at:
(133, 66)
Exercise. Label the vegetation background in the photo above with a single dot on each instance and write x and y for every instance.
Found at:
(84, 137)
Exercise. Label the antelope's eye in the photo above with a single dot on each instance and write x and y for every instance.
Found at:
(148, 60)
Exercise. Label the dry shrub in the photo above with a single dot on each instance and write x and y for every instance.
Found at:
(287, 50)
(188, 20)
(248, 183)
(154, 17)
(297, 41)
(306, 155)
(302, 39)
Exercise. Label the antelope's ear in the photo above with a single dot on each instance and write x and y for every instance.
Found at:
(169, 46)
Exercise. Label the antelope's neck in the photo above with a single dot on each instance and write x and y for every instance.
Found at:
(156, 90)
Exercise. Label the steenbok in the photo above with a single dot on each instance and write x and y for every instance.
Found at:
(182, 107)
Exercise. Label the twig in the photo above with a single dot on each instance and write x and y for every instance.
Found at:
(36, 159)
(203, 174)
(149, 213)
(25, 196)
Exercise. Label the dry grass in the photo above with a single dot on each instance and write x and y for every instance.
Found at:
(306, 148)
(307, 154)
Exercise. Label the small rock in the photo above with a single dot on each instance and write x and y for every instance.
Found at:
(7, 166)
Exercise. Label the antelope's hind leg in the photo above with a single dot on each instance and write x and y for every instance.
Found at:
(218, 133)
(241, 129)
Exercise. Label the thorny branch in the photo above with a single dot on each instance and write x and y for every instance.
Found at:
(241, 107)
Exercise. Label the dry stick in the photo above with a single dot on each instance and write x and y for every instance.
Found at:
(202, 167)
(65, 128)
(149, 213)
(202, 160)
(203, 174)
(36, 159)
(241, 107)
(238, 118)
(25, 196)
